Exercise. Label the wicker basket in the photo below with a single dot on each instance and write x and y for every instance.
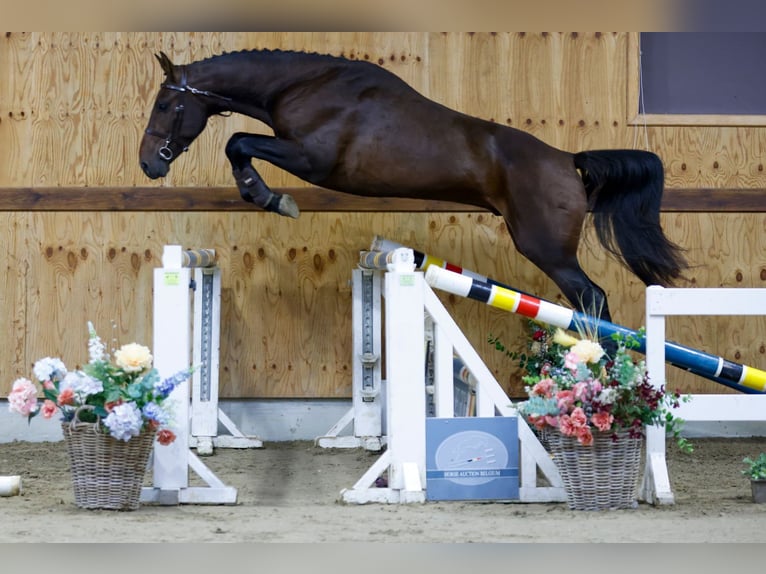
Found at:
(601, 476)
(106, 472)
(542, 435)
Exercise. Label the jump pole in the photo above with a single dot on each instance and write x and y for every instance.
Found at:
(173, 353)
(10, 485)
(459, 281)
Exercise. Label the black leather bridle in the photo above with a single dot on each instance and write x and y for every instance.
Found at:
(166, 151)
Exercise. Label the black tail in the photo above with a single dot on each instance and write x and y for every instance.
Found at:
(624, 189)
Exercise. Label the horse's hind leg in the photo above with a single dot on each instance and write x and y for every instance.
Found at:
(548, 235)
(240, 148)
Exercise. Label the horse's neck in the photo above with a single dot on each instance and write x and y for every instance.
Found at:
(251, 80)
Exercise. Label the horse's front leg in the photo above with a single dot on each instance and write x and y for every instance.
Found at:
(242, 147)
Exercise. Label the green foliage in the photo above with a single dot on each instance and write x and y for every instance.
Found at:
(756, 469)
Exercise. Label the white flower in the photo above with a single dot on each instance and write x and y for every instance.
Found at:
(83, 385)
(49, 369)
(133, 358)
(607, 396)
(588, 351)
(96, 347)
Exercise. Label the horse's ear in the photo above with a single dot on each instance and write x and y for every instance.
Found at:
(166, 64)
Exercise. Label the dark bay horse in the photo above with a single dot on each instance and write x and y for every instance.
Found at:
(355, 127)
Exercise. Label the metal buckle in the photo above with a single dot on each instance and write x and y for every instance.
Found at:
(165, 152)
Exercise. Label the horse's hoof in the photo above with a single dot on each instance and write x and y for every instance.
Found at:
(288, 207)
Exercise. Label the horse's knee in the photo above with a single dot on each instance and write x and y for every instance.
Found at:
(234, 146)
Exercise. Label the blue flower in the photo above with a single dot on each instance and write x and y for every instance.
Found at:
(155, 412)
(124, 421)
(165, 387)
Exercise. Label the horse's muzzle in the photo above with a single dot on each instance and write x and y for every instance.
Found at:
(155, 170)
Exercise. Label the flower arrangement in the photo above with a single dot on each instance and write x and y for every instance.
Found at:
(575, 386)
(126, 396)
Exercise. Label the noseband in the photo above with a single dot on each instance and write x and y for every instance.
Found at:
(166, 152)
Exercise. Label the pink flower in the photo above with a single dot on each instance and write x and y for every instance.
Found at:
(567, 425)
(602, 421)
(552, 421)
(571, 360)
(578, 417)
(543, 421)
(580, 391)
(543, 388)
(66, 397)
(565, 400)
(537, 422)
(584, 436)
(23, 397)
(48, 385)
(49, 409)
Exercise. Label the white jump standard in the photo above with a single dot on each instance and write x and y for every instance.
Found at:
(407, 300)
(173, 353)
(662, 302)
(365, 416)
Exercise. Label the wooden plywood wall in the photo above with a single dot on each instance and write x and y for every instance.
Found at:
(73, 108)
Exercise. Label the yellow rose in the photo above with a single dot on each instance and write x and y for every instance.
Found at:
(564, 339)
(133, 358)
(588, 351)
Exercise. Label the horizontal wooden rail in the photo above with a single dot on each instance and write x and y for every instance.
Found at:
(311, 199)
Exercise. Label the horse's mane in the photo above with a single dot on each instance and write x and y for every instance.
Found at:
(276, 52)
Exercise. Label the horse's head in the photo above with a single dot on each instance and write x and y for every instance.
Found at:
(178, 117)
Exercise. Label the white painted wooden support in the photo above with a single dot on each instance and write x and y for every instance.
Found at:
(206, 330)
(365, 417)
(205, 413)
(444, 395)
(364, 490)
(172, 326)
(662, 302)
(738, 408)
(533, 456)
(405, 360)
(235, 439)
(404, 459)
(403, 260)
(172, 344)
(407, 296)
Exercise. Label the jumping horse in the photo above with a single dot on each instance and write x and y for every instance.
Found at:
(355, 127)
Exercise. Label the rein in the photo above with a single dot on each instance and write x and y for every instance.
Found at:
(166, 152)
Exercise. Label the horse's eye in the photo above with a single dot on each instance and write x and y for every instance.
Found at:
(162, 106)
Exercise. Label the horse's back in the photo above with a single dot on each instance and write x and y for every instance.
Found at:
(374, 134)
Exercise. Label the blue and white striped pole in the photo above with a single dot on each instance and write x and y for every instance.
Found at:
(739, 377)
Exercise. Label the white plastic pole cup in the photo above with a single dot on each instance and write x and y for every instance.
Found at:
(10, 485)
